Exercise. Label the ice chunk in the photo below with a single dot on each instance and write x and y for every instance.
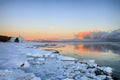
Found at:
(92, 61)
(101, 77)
(108, 70)
(41, 59)
(44, 54)
(68, 79)
(84, 78)
(65, 58)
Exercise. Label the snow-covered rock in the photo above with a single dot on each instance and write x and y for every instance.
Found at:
(107, 70)
(12, 39)
(20, 39)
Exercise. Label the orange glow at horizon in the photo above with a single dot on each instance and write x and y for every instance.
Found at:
(81, 35)
(38, 37)
(46, 36)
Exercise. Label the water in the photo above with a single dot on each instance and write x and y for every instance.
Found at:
(105, 53)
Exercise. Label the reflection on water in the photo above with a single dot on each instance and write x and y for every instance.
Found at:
(86, 49)
(98, 48)
(105, 53)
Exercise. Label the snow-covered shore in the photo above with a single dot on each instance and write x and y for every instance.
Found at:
(23, 61)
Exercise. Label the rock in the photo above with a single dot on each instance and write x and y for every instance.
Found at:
(4, 38)
(91, 70)
(99, 72)
(17, 39)
(23, 64)
(55, 51)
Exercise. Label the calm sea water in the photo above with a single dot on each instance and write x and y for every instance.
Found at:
(105, 53)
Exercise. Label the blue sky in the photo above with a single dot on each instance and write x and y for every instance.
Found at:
(57, 18)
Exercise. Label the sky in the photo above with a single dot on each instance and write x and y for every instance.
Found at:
(53, 19)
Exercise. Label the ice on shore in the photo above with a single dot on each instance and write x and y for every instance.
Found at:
(20, 61)
(17, 75)
(65, 58)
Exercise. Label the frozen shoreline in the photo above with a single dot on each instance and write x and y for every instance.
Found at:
(30, 63)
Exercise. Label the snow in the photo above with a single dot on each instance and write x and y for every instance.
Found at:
(17, 75)
(12, 39)
(65, 58)
(23, 61)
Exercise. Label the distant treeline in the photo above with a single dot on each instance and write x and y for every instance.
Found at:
(4, 38)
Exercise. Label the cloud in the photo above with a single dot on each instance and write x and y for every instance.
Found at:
(81, 35)
(99, 35)
(87, 34)
(114, 34)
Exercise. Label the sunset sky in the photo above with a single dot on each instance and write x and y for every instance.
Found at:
(52, 19)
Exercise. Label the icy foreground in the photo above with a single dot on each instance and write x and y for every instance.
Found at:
(23, 61)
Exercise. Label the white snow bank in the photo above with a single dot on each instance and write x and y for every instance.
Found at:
(16, 75)
(14, 54)
(18, 58)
